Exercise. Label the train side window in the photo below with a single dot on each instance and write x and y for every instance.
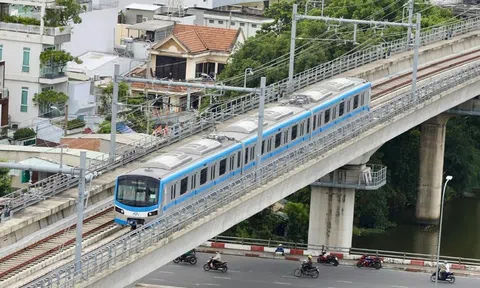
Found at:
(363, 99)
(314, 122)
(308, 125)
(263, 147)
(252, 153)
(232, 160)
(334, 113)
(223, 167)
(327, 116)
(294, 132)
(319, 119)
(239, 160)
(355, 102)
(212, 171)
(194, 181)
(278, 140)
(173, 191)
(246, 155)
(348, 105)
(269, 145)
(183, 185)
(203, 176)
(302, 127)
(285, 137)
(341, 109)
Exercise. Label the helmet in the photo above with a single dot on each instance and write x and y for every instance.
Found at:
(280, 245)
(310, 257)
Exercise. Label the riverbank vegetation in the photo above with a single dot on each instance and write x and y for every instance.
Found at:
(375, 211)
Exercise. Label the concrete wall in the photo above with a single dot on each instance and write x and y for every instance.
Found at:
(80, 97)
(95, 33)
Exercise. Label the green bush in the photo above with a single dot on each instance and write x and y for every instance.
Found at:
(75, 123)
(24, 133)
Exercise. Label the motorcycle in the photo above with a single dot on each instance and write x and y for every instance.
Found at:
(191, 258)
(366, 261)
(446, 277)
(312, 272)
(221, 266)
(329, 259)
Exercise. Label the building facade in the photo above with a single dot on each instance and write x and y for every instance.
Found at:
(24, 77)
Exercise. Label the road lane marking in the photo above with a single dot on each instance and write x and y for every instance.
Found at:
(156, 279)
(288, 276)
(342, 281)
(282, 283)
(234, 271)
(166, 272)
(396, 286)
(220, 277)
(207, 284)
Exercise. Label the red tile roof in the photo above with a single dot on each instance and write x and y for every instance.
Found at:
(200, 38)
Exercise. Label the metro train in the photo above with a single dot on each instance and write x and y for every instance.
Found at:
(186, 170)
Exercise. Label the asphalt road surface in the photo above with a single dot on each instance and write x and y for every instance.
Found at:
(268, 273)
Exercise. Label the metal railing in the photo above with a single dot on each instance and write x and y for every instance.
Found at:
(130, 245)
(55, 184)
(372, 179)
(352, 251)
(34, 29)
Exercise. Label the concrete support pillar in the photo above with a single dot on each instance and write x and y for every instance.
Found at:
(432, 147)
(331, 216)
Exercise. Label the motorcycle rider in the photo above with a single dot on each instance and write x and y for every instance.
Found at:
(191, 252)
(215, 259)
(280, 249)
(444, 273)
(308, 265)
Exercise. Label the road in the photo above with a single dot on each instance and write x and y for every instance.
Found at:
(246, 272)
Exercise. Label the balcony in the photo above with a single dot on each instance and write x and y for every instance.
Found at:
(52, 75)
(31, 33)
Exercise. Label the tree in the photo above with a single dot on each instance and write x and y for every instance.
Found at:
(5, 181)
(69, 11)
(23, 134)
(57, 59)
(48, 98)
(106, 98)
(297, 225)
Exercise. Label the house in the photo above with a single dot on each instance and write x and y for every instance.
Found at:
(194, 51)
(138, 13)
(24, 77)
(3, 97)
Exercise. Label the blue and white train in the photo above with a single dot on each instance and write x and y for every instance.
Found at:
(186, 169)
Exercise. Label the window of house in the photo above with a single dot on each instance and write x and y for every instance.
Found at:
(254, 25)
(211, 21)
(183, 185)
(139, 18)
(51, 48)
(26, 60)
(24, 103)
(232, 23)
(220, 22)
(1, 52)
(242, 24)
(203, 176)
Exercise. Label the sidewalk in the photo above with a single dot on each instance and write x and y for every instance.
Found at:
(344, 259)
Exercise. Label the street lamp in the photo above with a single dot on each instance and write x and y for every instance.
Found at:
(448, 178)
(248, 71)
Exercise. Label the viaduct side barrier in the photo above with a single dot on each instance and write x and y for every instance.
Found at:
(136, 254)
(368, 63)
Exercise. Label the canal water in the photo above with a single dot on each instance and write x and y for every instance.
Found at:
(460, 234)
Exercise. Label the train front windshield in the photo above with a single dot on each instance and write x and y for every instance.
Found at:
(138, 191)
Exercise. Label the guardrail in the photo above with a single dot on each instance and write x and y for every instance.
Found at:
(352, 250)
(129, 245)
(58, 183)
(371, 179)
(34, 29)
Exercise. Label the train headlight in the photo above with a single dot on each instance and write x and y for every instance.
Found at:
(119, 210)
(153, 213)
